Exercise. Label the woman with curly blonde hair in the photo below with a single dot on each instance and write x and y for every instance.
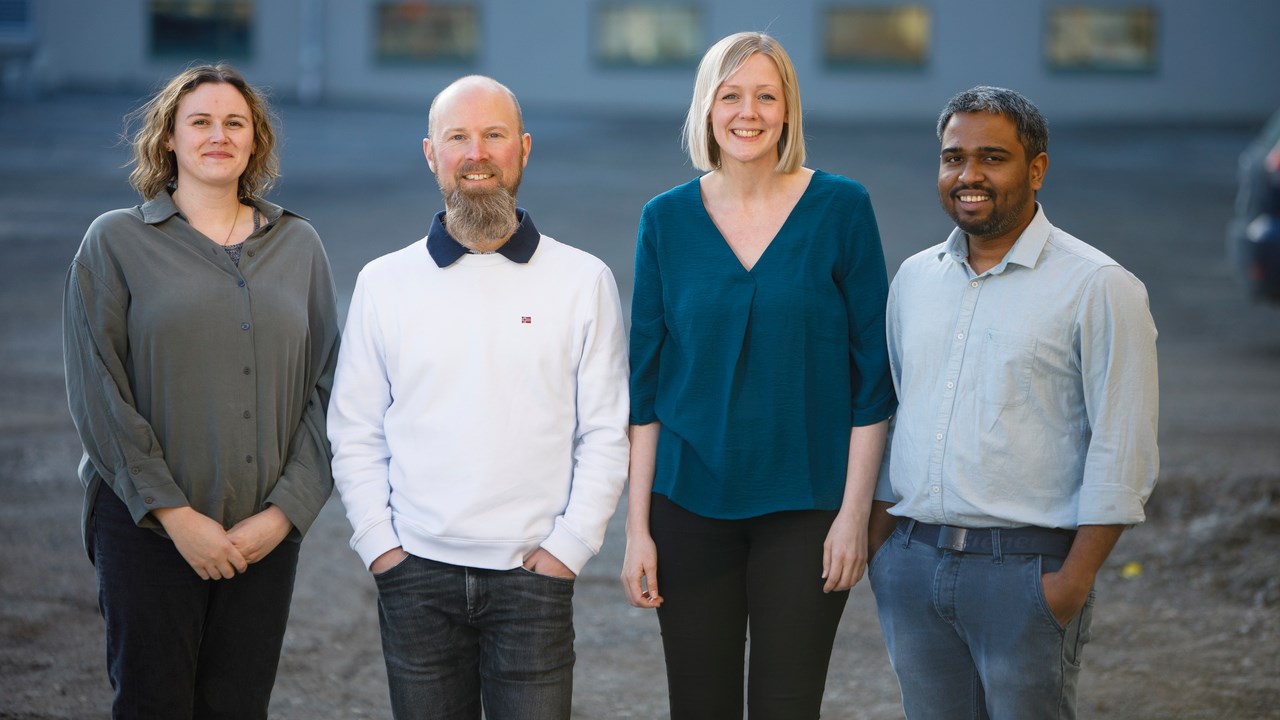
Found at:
(200, 332)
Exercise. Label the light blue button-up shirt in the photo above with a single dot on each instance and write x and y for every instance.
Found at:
(1028, 394)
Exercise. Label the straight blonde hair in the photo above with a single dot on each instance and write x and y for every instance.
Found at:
(722, 60)
(155, 167)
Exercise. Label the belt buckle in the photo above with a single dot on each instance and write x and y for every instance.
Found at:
(952, 538)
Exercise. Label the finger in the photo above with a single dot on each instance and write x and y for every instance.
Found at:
(826, 561)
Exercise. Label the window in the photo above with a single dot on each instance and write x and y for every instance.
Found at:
(1101, 39)
(205, 29)
(426, 32)
(648, 35)
(877, 37)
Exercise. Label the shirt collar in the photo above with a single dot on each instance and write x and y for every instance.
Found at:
(1025, 251)
(519, 248)
(161, 208)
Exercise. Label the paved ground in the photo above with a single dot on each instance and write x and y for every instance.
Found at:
(1195, 636)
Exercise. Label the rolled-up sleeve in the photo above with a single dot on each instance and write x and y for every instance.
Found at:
(1117, 340)
(865, 288)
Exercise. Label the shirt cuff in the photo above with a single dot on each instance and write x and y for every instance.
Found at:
(1110, 504)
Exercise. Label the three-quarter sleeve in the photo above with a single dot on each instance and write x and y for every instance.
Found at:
(119, 442)
(865, 288)
(648, 323)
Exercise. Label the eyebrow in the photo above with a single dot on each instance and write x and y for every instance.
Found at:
(982, 149)
(205, 114)
(495, 126)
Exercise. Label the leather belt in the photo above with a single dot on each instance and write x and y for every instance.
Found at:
(984, 541)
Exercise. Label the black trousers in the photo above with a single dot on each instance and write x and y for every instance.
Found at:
(721, 579)
(179, 647)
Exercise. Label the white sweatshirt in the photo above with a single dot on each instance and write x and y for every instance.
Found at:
(479, 410)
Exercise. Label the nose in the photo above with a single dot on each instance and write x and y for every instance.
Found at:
(748, 107)
(970, 172)
(476, 151)
(218, 133)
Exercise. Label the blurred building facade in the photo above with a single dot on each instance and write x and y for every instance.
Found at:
(1092, 60)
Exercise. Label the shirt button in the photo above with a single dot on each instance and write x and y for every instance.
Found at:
(938, 436)
(135, 470)
(973, 284)
(936, 489)
(244, 326)
(149, 500)
(250, 253)
(246, 414)
(240, 283)
(960, 336)
(248, 458)
(247, 371)
(950, 385)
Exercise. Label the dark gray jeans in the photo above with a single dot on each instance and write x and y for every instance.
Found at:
(453, 636)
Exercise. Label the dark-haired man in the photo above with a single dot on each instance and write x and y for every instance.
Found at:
(1025, 439)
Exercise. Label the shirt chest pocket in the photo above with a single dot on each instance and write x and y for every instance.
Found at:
(1004, 368)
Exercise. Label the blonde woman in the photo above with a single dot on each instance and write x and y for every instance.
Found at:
(760, 397)
(200, 334)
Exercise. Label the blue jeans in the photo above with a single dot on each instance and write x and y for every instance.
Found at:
(453, 635)
(971, 636)
(177, 646)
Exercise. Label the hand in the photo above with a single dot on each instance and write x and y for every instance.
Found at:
(1065, 598)
(257, 535)
(202, 542)
(387, 560)
(544, 563)
(844, 554)
(640, 572)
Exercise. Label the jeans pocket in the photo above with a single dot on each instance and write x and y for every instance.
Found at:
(386, 576)
(551, 578)
(1037, 590)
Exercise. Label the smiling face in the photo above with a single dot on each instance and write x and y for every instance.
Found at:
(985, 181)
(212, 136)
(476, 143)
(748, 114)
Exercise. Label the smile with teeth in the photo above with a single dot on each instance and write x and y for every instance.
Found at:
(747, 133)
(970, 197)
(477, 176)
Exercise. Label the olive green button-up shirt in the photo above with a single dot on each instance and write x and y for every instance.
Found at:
(196, 382)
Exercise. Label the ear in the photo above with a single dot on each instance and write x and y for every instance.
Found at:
(168, 142)
(1039, 166)
(527, 142)
(426, 150)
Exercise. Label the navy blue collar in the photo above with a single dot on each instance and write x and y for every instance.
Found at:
(518, 248)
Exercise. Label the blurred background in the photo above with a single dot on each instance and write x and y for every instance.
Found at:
(1160, 156)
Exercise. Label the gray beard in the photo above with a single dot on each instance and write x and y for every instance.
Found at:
(482, 221)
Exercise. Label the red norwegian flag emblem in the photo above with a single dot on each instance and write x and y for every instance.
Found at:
(526, 319)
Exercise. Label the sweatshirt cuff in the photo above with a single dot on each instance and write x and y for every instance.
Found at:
(375, 541)
(567, 548)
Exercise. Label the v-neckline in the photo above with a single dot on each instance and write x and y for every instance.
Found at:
(724, 242)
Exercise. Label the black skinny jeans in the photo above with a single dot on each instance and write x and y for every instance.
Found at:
(721, 578)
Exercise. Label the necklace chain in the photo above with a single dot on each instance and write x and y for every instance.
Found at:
(234, 221)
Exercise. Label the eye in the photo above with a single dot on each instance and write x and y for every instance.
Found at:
(200, 122)
(729, 97)
(494, 135)
(456, 136)
(768, 96)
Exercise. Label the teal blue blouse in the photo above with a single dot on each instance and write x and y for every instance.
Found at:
(757, 376)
